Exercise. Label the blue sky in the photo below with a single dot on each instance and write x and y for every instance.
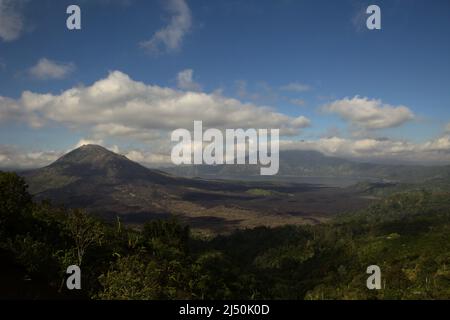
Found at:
(300, 58)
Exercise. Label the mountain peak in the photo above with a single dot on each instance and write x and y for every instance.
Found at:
(92, 165)
(92, 147)
(90, 154)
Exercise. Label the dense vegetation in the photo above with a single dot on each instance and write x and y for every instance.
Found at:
(406, 234)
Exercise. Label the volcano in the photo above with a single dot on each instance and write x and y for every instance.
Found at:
(106, 183)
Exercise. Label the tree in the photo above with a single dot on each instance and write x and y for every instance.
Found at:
(85, 231)
(14, 202)
(131, 278)
(170, 232)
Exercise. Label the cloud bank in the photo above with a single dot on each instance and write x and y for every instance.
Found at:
(119, 106)
(435, 151)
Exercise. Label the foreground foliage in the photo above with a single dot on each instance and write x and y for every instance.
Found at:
(406, 234)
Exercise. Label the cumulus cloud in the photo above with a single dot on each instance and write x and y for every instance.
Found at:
(11, 20)
(441, 144)
(296, 87)
(369, 114)
(148, 158)
(301, 122)
(121, 106)
(185, 81)
(84, 142)
(170, 38)
(16, 158)
(433, 151)
(47, 69)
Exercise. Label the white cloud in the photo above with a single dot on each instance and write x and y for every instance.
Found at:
(185, 81)
(296, 87)
(16, 158)
(122, 106)
(369, 114)
(84, 142)
(301, 122)
(47, 69)
(148, 158)
(433, 151)
(171, 37)
(11, 20)
(436, 151)
(441, 144)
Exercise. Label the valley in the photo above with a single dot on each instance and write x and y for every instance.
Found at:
(111, 186)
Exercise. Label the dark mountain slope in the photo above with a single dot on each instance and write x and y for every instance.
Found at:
(94, 177)
(93, 163)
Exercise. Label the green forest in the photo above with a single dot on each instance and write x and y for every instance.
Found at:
(407, 234)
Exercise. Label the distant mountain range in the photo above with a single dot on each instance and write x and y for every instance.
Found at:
(299, 163)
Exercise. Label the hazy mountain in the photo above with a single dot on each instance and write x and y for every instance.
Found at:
(299, 163)
(292, 163)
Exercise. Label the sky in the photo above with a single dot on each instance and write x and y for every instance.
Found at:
(137, 70)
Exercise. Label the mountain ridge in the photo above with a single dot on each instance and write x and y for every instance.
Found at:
(309, 163)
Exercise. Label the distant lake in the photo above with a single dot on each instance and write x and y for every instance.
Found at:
(340, 182)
